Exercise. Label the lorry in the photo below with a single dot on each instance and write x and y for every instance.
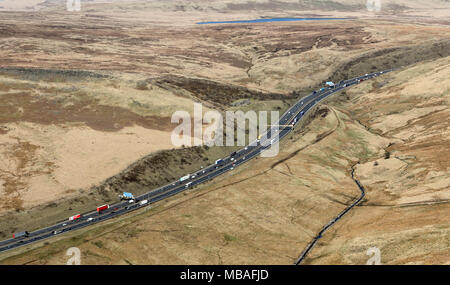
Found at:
(126, 196)
(21, 235)
(219, 161)
(295, 121)
(102, 208)
(76, 217)
(185, 178)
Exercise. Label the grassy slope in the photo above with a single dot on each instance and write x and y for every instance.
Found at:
(258, 71)
(404, 214)
(268, 210)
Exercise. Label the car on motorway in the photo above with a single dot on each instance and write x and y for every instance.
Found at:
(131, 201)
(143, 202)
(188, 184)
(90, 219)
(57, 232)
(233, 154)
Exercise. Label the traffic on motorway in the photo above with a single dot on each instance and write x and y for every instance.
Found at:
(283, 127)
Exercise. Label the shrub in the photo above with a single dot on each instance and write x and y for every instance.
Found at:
(141, 85)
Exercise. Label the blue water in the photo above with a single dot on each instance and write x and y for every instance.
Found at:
(273, 20)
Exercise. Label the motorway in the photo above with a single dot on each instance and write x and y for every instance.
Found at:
(285, 125)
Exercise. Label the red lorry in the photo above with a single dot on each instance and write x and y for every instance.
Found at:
(76, 217)
(102, 208)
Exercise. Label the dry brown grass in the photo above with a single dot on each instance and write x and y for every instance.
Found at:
(408, 191)
(78, 128)
(267, 211)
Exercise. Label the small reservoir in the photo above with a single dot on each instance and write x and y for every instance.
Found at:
(272, 20)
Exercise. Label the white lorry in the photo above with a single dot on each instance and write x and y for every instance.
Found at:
(185, 178)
